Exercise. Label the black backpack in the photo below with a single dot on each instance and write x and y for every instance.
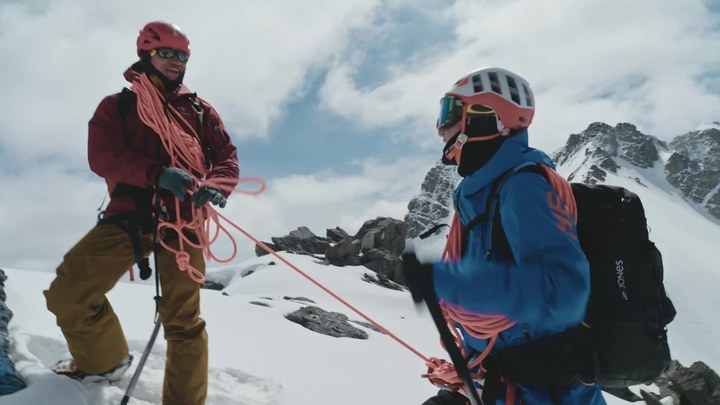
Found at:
(623, 339)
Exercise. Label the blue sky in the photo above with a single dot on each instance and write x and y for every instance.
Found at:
(332, 102)
(302, 136)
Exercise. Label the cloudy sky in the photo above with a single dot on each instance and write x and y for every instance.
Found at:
(332, 102)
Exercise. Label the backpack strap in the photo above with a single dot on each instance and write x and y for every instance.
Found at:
(495, 235)
(490, 206)
(127, 100)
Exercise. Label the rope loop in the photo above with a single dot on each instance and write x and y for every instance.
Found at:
(181, 142)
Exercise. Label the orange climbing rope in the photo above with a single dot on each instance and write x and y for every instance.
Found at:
(186, 153)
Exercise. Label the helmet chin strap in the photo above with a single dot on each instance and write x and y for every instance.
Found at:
(455, 152)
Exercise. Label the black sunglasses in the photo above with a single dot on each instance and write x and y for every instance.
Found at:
(169, 53)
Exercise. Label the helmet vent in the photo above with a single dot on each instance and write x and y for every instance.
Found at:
(528, 97)
(155, 35)
(514, 91)
(477, 84)
(494, 82)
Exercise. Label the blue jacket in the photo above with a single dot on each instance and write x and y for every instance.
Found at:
(545, 291)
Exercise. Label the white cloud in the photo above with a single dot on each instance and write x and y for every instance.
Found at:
(647, 62)
(323, 200)
(45, 217)
(248, 58)
(46, 210)
(587, 60)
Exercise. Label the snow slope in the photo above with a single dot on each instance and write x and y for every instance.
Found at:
(258, 357)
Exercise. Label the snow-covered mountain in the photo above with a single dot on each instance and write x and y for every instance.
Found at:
(690, 162)
(601, 149)
(434, 201)
(694, 167)
(689, 165)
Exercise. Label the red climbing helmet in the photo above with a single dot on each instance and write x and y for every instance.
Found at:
(159, 34)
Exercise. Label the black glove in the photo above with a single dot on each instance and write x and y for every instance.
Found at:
(418, 277)
(445, 397)
(205, 194)
(176, 181)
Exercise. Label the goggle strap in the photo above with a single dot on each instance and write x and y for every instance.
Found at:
(485, 138)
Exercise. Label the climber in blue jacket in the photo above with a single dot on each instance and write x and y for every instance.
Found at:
(533, 284)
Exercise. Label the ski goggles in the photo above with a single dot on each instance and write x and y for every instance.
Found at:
(451, 111)
(169, 53)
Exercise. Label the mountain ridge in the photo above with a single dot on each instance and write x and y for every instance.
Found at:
(689, 165)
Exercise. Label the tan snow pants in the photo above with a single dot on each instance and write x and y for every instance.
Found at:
(92, 330)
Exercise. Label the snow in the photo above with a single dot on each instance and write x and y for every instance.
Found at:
(708, 125)
(258, 357)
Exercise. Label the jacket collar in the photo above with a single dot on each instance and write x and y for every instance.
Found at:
(512, 152)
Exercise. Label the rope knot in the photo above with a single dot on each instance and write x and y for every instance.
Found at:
(442, 374)
(183, 260)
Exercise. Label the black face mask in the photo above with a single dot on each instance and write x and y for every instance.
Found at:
(475, 155)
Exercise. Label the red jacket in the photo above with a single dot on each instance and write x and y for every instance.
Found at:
(127, 152)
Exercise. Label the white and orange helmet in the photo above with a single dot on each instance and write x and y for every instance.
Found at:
(501, 90)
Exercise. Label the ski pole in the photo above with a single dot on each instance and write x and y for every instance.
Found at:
(141, 364)
(452, 349)
(156, 329)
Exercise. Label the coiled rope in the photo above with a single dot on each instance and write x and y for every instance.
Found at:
(186, 153)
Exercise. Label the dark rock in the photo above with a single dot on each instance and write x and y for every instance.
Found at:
(302, 241)
(383, 233)
(261, 304)
(327, 323)
(434, 203)
(212, 285)
(346, 248)
(336, 234)
(259, 251)
(696, 385)
(694, 168)
(347, 261)
(650, 398)
(383, 263)
(10, 380)
(299, 299)
(594, 175)
(382, 281)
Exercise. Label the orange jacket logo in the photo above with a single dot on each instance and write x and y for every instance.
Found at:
(562, 215)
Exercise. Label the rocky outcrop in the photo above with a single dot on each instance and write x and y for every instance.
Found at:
(301, 241)
(434, 203)
(10, 380)
(694, 385)
(599, 149)
(383, 233)
(327, 323)
(377, 245)
(694, 168)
